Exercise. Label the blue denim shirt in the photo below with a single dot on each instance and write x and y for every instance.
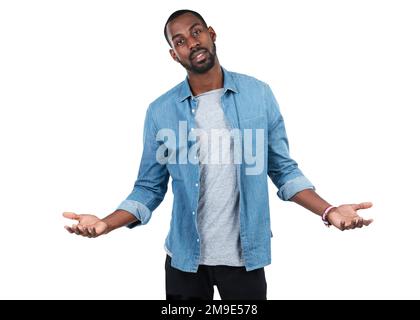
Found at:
(248, 104)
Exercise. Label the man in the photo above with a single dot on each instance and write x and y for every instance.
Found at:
(220, 230)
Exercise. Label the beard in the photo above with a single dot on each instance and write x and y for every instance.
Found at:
(204, 65)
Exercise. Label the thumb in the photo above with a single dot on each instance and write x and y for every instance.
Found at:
(71, 215)
(362, 205)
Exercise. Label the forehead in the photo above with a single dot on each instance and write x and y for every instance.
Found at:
(182, 24)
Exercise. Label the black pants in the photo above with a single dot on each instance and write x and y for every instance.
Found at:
(233, 283)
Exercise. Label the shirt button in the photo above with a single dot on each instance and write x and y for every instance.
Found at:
(192, 129)
(198, 240)
(193, 110)
(193, 212)
(196, 184)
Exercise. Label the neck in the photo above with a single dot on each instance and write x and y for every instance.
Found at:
(211, 80)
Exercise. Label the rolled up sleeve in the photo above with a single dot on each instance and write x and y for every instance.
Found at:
(137, 209)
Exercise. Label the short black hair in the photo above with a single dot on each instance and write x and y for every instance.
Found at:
(178, 13)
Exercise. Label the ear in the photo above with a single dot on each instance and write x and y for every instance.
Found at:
(212, 34)
(173, 55)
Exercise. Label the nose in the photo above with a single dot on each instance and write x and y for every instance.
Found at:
(193, 43)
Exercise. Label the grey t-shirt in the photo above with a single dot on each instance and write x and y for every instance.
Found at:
(218, 205)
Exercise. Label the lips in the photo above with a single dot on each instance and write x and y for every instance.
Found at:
(199, 55)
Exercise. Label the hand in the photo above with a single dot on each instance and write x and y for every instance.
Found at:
(89, 225)
(345, 217)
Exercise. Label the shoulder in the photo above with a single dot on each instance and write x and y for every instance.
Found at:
(247, 81)
(166, 99)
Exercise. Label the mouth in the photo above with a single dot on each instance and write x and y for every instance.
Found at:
(199, 56)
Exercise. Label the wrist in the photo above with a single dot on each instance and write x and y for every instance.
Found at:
(325, 215)
(107, 227)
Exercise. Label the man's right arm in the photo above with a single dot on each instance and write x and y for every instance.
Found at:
(148, 192)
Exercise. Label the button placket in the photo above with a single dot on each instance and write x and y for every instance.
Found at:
(193, 110)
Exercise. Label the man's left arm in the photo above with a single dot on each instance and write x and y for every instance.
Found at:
(293, 185)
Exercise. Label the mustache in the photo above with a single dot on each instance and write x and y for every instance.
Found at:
(196, 51)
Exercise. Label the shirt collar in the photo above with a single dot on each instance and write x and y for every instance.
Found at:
(228, 84)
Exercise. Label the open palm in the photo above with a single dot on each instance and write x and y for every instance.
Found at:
(88, 225)
(345, 217)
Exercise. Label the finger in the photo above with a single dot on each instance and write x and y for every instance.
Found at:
(70, 230)
(362, 205)
(353, 224)
(90, 231)
(94, 232)
(360, 223)
(71, 215)
(86, 232)
(342, 226)
(75, 229)
(346, 225)
(82, 230)
(367, 222)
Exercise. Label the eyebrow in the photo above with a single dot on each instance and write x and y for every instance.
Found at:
(194, 25)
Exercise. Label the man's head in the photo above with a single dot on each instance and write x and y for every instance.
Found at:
(192, 42)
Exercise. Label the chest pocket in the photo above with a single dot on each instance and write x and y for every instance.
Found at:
(258, 122)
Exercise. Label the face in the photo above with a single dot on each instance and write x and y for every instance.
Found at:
(192, 43)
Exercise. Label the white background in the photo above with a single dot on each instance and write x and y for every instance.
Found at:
(76, 78)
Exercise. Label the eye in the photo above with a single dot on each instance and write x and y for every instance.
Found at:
(196, 33)
(180, 42)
